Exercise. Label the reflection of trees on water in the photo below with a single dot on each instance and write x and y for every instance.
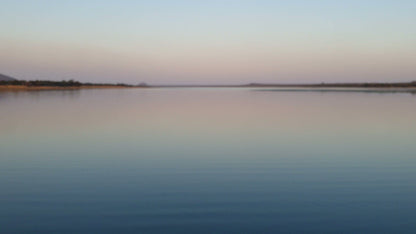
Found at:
(70, 94)
(36, 94)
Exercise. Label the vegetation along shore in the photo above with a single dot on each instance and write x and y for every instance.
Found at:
(17, 85)
(8, 83)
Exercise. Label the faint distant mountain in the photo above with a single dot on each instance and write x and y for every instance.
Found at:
(6, 78)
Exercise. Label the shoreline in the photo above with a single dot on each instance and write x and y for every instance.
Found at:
(39, 88)
(301, 88)
(339, 89)
(277, 88)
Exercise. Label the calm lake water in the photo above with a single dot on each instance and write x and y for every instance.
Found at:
(207, 161)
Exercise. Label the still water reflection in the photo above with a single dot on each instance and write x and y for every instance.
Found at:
(207, 161)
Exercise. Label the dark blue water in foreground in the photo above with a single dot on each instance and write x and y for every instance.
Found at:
(207, 161)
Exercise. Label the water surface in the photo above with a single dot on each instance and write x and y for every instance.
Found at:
(207, 161)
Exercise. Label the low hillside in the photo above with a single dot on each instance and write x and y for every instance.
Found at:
(6, 78)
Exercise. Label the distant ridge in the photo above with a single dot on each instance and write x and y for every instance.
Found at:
(6, 78)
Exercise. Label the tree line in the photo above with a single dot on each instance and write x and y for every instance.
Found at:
(63, 83)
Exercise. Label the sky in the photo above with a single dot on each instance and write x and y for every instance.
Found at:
(210, 41)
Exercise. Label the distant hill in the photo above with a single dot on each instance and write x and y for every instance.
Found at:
(6, 78)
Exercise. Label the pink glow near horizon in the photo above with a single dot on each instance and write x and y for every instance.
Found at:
(223, 43)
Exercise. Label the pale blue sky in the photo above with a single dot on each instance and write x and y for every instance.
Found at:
(209, 41)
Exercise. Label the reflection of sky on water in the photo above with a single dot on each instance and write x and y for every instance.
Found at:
(162, 158)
